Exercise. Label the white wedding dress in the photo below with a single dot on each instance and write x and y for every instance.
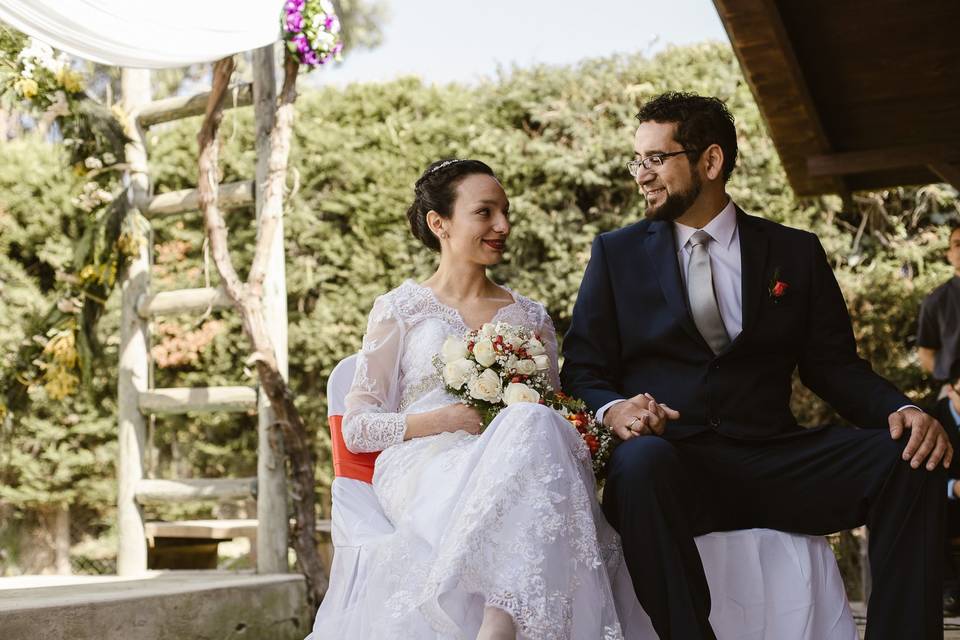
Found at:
(508, 518)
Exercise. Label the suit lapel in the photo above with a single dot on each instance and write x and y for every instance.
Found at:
(754, 246)
(662, 250)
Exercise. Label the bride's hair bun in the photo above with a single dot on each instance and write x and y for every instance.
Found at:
(436, 190)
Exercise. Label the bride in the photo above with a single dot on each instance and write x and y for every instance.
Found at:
(497, 534)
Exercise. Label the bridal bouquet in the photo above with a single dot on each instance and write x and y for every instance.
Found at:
(502, 364)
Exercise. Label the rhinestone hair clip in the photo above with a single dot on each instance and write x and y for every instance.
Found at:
(445, 163)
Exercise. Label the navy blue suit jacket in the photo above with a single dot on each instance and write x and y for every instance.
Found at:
(632, 333)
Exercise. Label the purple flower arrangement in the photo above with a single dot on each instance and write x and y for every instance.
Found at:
(311, 29)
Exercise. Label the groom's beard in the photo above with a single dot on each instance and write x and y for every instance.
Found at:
(676, 204)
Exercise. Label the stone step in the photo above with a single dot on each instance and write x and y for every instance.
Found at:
(187, 605)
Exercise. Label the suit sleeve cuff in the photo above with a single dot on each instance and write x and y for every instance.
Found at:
(909, 406)
(603, 410)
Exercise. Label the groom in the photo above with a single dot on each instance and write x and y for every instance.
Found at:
(685, 335)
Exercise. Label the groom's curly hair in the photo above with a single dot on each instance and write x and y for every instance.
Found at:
(436, 190)
(701, 121)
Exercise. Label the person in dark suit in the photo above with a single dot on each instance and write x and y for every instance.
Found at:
(686, 332)
(947, 412)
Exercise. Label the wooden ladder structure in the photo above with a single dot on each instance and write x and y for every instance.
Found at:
(137, 399)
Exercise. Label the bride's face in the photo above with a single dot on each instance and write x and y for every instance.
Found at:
(478, 229)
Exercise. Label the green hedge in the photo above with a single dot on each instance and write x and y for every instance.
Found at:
(558, 138)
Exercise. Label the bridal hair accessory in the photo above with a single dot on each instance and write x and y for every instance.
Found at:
(445, 163)
(502, 364)
(311, 30)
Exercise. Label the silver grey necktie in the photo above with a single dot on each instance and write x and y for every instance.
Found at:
(703, 299)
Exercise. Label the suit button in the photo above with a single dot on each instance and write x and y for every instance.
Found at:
(715, 423)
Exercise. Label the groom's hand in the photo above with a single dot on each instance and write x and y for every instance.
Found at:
(928, 441)
(641, 415)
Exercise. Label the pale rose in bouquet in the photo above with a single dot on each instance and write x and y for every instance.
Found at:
(500, 365)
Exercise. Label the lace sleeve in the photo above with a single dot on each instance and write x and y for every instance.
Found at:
(548, 336)
(371, 421)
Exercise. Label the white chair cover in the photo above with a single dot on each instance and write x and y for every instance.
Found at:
(145, 33)
(764, 584)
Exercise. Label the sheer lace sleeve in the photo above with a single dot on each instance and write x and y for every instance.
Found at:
(371, 421)
(549, 337)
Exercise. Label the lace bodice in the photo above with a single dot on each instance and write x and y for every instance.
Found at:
(395, 373)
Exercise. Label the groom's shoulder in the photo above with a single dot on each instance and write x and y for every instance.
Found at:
(777, 231)
(627, 235)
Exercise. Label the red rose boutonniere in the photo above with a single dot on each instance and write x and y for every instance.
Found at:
(778, 288)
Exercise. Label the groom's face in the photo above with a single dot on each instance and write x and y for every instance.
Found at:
(671, 188)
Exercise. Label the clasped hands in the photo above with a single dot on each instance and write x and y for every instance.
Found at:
(640, 415)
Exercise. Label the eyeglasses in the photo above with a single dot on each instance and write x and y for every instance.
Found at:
(654, 162)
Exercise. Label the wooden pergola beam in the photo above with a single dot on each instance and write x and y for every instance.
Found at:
(769, 63)
(949, 172)
(838, 164)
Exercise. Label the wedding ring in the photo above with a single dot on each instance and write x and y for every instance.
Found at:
(635, 420)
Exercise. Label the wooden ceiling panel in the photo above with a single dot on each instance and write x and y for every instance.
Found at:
(834, 76)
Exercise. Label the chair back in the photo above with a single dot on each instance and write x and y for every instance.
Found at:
(346, 464)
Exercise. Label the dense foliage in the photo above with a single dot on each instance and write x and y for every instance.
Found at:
(558, 137)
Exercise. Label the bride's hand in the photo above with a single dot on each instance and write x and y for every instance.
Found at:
(461, 417)
(641, 415)
(453, 417)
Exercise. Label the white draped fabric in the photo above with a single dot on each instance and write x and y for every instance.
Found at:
(146, 33)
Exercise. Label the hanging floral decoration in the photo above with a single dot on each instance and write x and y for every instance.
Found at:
(311, 30)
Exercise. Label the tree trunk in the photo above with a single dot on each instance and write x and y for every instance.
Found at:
(247, 300)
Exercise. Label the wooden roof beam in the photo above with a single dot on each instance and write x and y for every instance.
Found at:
(892, 158)
(949, 172)
(769, 63)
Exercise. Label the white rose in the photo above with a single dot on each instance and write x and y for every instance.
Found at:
(515, 341)
(519, 392)
(484, 353)
(526, 367)
(453, 349)
(486, 386)
(456, 373)
(488, 330)
(542, 362)
(535, 347)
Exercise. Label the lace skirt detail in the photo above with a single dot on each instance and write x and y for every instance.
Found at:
(506, 519)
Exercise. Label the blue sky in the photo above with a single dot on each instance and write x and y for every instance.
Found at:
(461, 40)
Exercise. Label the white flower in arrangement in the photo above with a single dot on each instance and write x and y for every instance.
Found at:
(484, 353)
(488, 330)
(519, 392)
(542, 362)
(327, 6)
(511, 363)
(42, 54)
(526, 367)
(535, 347)
(93, 163)
(515, 341)
(457, 372)
(109, 158)
(453, 349)
(486, 386)
(324, 40)
(334, 24)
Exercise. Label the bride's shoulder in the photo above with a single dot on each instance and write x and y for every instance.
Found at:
(405, 301)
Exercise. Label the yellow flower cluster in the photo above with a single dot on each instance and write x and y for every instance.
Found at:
(27, 87)
(59, 377)
(71, 80)
(105, 274)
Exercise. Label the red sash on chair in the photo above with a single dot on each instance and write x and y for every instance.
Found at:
(347, 464)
